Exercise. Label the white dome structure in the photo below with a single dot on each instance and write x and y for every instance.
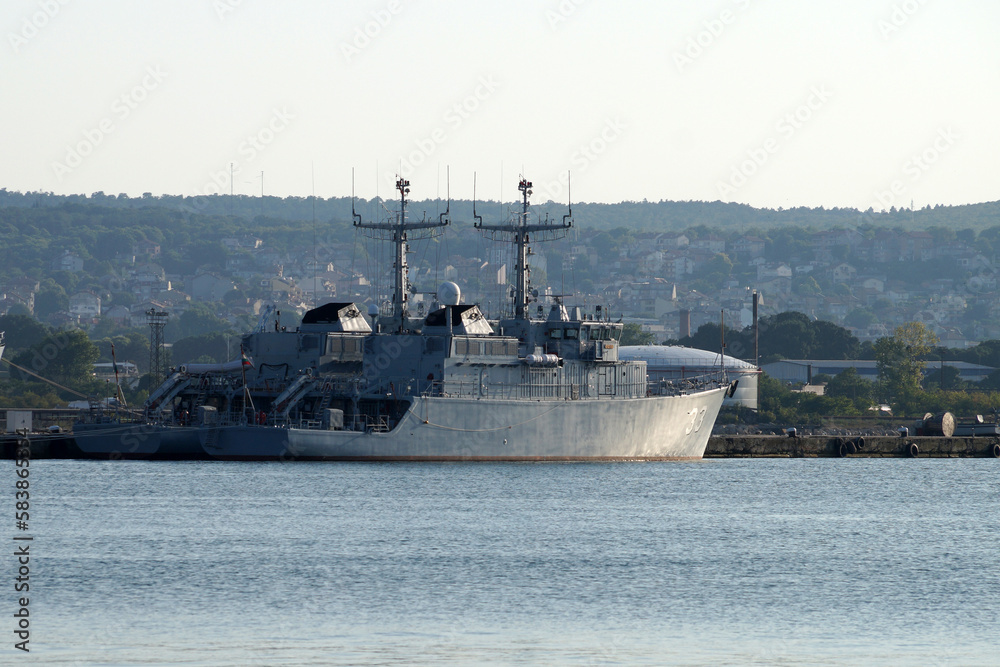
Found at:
(449, 294)
(672, 362)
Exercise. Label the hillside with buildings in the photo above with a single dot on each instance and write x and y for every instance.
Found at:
(101, 262)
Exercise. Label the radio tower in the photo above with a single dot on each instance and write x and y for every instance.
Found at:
(157, 319)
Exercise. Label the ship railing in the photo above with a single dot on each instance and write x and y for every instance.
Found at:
(401, 386)
(362, 422)
(108, 415)
(604, 388)
(535, 390)
(689, 385)
(692, 365)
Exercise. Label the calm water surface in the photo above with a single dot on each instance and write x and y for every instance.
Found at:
(788, 562)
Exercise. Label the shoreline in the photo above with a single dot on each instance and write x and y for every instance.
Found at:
(63, 446)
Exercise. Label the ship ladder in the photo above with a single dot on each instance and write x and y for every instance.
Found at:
(327, 398)
(200, 398)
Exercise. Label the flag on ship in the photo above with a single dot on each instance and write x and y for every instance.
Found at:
(245, 358)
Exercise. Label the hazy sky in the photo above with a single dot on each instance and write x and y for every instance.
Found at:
(766, 102)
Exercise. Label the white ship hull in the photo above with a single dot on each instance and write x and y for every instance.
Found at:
(451, 429)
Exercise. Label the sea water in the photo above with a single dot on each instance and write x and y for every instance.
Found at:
(717, 562)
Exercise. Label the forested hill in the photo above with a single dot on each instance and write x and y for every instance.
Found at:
(658, 216)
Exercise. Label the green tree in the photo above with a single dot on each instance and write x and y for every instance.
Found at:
(607, 247)
(715, 272)
(860, 318)
(65, 357)
(129, 346)
(19, 309)
(199, 319)
(632, 334)
(900, 364)
(805, 285)
(843, 289)
(215, 347)
(786, 336)
(833, 341)
(848, 384)
(708, 337)
(944, 378)
(51, 299)
(991, 382)
(22, 331)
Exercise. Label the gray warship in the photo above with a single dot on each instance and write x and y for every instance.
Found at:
(452, 385)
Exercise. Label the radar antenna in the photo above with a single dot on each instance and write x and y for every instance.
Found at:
(517, 230)
(397, 231)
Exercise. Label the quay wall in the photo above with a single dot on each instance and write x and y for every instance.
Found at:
(771, 446)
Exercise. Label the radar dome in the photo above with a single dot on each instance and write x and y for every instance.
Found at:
(449, 294)
(373, 310)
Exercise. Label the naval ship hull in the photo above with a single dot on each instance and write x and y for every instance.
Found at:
(455, 429)
(138, 441)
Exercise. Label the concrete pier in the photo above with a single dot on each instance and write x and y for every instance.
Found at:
(771, 446)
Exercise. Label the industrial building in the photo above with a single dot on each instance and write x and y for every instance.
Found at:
(799, 371)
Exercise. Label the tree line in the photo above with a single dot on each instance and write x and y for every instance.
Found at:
(901, 359)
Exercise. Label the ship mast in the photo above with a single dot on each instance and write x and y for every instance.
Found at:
(518, 230)
(396, 231)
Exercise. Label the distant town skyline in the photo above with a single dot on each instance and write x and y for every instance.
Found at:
(862, 103)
